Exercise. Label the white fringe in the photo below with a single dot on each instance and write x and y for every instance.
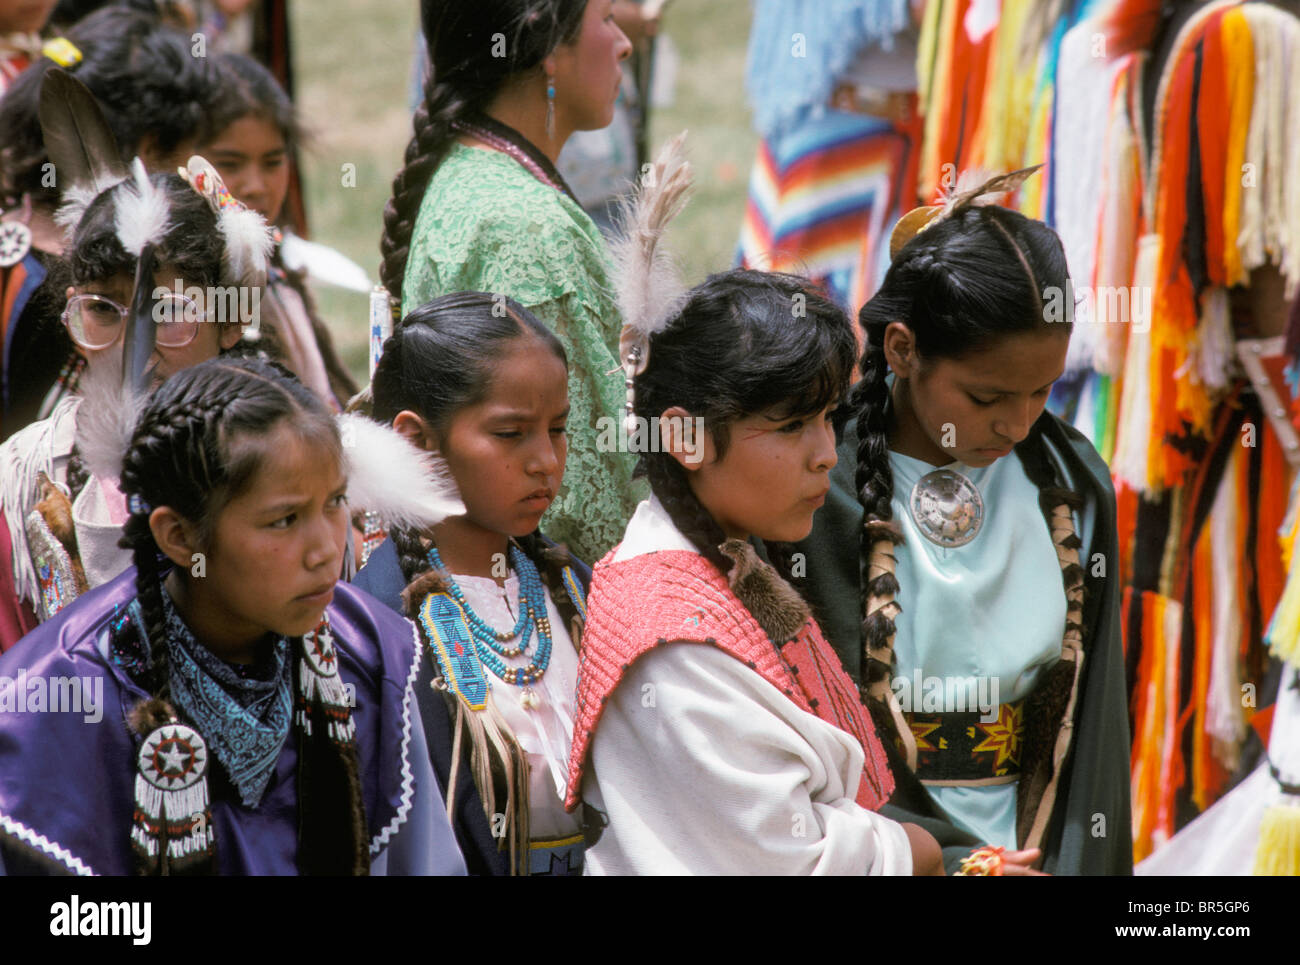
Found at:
(30, 451)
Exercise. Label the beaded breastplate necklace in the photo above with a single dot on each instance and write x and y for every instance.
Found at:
(465, 643)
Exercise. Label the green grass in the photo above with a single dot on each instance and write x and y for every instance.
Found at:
(352, 60)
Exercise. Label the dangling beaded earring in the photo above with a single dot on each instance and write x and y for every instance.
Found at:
(550, 107)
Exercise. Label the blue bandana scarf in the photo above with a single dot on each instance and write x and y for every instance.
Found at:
(244, 719)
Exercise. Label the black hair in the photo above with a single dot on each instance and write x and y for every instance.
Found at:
(68, 12)
(245, 88)
(144, 76)
(961, 286)
(191, 451)
(192, 242)
(439, 360)
(744, 342)
(473, 48)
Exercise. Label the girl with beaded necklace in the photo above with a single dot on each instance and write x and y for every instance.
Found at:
(969, 595)
(241, 713)
(479, 380)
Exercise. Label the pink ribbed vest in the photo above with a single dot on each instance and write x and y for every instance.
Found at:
(679, 596)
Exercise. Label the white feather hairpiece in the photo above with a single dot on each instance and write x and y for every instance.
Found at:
(142, 212)
(76, 200)
(107, 416)
(248, 239)
(650, 288)
(388, 476)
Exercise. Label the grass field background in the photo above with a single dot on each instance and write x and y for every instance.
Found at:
(352, 60)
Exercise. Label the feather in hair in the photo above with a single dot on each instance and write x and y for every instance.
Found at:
(76, 200)
(248, 239)
(143, 214)
(650, 290)
(77, 138)
(388, 476)
(959, 196)
(107, 416)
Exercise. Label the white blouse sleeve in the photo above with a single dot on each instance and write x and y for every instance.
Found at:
(703, 767)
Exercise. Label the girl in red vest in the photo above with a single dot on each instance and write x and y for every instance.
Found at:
(716, 732)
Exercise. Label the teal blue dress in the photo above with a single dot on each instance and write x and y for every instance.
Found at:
(995, 608)
(987, 616)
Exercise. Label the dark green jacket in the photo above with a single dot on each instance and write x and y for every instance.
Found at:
(1090, 828)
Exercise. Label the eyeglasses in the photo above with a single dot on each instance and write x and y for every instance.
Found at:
(96, 322)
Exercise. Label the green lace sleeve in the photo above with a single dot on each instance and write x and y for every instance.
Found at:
(485, 224)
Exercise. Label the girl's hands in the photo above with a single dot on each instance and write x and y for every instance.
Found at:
(927, 858)
(1021, 862)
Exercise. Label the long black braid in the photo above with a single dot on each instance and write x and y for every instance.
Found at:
(182, 456)
(473, 48)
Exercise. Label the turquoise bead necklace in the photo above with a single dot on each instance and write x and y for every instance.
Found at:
(489, 643)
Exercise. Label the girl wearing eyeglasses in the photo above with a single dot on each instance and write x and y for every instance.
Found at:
(62, 510)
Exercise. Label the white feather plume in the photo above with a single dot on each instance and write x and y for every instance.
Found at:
(76, 200)
(107, 416)
(248, 241)
(650, 289)
(142, 211)
(403, 485)
(248, 246)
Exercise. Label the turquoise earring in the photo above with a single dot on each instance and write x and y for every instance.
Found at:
(550, 108)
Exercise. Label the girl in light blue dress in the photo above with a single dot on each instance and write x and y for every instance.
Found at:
(970, 594)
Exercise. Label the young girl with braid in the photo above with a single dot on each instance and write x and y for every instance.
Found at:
(715, 731)
(483, 383)
(236, 711)
(971, 595)
(479, 206)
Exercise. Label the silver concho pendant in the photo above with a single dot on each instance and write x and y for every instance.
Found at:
(947, 508)
(15, 242)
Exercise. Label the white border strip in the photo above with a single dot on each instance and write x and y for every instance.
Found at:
(41, 843)
(408, 779)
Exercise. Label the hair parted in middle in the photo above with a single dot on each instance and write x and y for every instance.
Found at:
(439, 360)
(743, 342)
(474, 47)
(961, 286)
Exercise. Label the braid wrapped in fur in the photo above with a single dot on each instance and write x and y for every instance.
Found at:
(182, 455)
(473, 48)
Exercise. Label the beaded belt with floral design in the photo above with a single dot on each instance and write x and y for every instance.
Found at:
(960, 748)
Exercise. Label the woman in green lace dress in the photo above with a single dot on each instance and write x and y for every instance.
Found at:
(479, 206)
